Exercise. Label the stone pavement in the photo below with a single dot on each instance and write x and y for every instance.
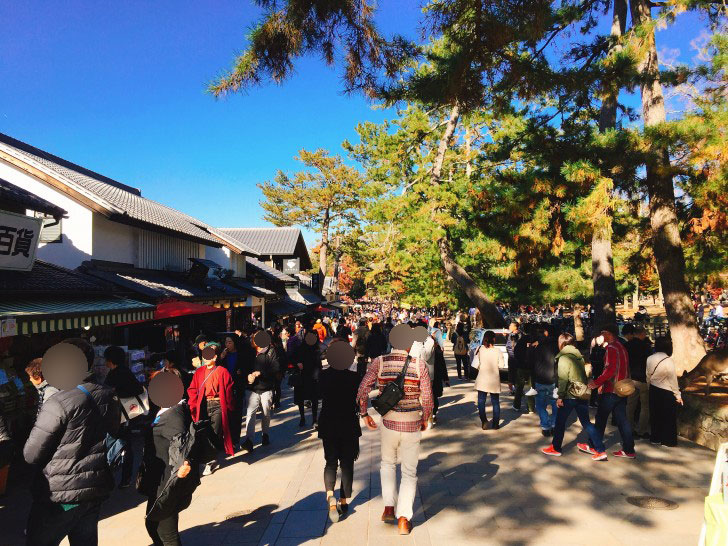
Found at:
(475, 487)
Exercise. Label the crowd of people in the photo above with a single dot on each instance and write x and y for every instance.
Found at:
(79, 435)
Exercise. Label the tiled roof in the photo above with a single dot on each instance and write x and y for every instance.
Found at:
(10, 193)
(267, 271)
(47, 278)
(258, 291)
(156, 284)
(276, 241)
(121, 197)
(305, 298)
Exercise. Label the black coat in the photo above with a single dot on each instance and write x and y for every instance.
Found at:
(164, 444)
(338, 417)
(268, 364)
(122, 381)
(543, 360)
(440, 372)
(308, 388)
(67, 443)
(376, 345)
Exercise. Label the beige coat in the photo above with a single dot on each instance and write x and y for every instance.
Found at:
(488, 361)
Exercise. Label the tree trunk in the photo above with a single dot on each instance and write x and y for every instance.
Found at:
(578, 323)
(488, 311)
(688, 347)
(323, 251)
(605, 286)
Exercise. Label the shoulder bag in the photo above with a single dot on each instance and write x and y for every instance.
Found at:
(624, 387)
(392, 393)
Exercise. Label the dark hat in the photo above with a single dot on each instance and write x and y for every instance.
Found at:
(611, 328)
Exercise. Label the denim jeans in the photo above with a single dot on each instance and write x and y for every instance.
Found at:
(545, 398)
(611, 403)
(582, 412)
(264, 400)
(48, 524)
(495, 402)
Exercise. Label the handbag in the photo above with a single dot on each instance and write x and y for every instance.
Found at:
(475, 362)
(392, 393)
(134, 406)
(579, 390)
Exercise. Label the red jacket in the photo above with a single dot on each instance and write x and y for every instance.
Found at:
(227, 401)
(616, 367)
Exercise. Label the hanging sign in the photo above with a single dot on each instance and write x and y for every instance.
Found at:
(291, 265)
(19, 236)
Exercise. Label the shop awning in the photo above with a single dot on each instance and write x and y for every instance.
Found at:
(53, 314)
(286, 307)
(181, 308)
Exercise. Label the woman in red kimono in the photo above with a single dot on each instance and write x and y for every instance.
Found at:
(211, 397)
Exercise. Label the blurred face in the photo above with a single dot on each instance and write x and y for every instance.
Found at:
(201, 345)
(608, 336)
(229, 345)
(298, 326)
(513, 327)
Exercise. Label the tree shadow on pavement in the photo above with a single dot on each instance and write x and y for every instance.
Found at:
(246, 526)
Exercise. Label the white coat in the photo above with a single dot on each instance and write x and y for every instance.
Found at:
(488, 360)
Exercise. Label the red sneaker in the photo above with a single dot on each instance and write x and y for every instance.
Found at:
(550, 451)
(599, 456)
(584, 448)
(622, 453)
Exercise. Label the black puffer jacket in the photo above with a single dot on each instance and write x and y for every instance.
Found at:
(67, 443)
(543, 358)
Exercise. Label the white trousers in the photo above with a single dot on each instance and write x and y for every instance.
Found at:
(404, 446)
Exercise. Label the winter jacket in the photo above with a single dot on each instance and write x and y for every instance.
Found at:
(543, 359)
(67, 443)
(310, 357)
(489, 361)
(570, 369)
(268, 365)
(339, 418)
(638, 350)
(122, 381)
(167, 445)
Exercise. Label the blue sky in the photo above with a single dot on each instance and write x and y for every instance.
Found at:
(119, 87)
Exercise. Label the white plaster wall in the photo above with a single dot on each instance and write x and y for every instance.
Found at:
(221, 256)
(76, 229)
(113, 241)
(227, 259)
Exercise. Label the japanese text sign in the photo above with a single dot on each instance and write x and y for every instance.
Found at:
(19, 237)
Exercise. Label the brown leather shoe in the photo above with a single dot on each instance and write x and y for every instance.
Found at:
(388, 514)
(405, 526)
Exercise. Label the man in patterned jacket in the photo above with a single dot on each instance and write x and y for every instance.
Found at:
(402, 426)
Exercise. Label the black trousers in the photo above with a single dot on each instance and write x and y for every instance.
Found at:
(164, 532)
(236, 419)
(314, 409)
(48, 524)
(127, 459)
(463, 360)
(211, 410)
(340, 452)
(663, 416)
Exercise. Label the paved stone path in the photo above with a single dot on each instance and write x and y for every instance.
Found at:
(475, 487)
